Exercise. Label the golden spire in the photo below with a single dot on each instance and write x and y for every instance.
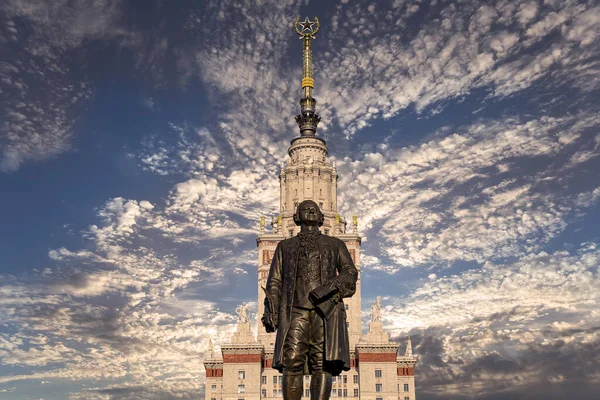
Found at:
(307, 30)
(307, 120)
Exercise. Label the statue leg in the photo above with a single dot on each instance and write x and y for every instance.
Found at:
(320, 383)
(292, 386)
(320, 386)
(295, 349)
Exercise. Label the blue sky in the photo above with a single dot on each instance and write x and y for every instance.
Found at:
(140, 143)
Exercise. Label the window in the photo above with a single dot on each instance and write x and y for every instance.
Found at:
(378, 387)
(280, 379)
(345, 379)
(291, 232)
(378, 398)
(241, 389)
(333, 379)
(320, 204)
(307, 378)
(345, 392)
(279, 393)
(263, 379)
(241, 374)
(339, 392)
(406, 387)
(355, 378)
(213, 398)
(306, 392)
(333, 393)
(327, 231)
(263, 392)
(346, 305)
(377, 373)
(213, 388)
(274, 392)
(407, 398)
(355, 392)
(274, 381)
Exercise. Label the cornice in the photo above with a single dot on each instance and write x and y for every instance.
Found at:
(242, 348)
(376, 348)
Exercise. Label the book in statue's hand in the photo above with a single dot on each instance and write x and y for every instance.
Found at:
(325, 299)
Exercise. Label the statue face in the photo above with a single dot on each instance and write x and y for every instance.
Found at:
(309, 213)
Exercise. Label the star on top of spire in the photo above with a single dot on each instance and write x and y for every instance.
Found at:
(307, 25)
(306, 28)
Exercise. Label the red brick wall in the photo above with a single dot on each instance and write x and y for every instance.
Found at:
(377, 357)
(212, 372)
(406, 371)
(267, 363)
(241, 358)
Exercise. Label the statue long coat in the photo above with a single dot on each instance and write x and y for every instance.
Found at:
(337, 268)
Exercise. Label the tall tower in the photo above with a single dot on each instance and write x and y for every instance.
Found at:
(308, 174)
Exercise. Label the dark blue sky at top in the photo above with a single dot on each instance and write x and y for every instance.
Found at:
(150, 90)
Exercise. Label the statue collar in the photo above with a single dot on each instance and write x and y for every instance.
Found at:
(309, 234)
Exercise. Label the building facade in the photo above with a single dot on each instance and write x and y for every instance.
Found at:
(244, 369)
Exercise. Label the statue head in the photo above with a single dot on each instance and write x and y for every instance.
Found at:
(308, 213)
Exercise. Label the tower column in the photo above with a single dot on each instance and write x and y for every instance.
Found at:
(334, 178)
(282, 194)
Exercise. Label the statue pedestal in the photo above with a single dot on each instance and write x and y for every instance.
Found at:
(376, 333)
(243, 334)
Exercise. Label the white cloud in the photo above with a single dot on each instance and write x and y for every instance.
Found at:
(512, 313)
(470, 195)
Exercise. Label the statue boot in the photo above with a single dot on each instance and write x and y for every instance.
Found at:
(320, 386)
(292, 387)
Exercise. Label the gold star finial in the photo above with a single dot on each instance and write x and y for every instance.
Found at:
(307, 28)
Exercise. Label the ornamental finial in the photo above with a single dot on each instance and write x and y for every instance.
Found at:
(211, 348)
(306, 28)
(307, 120)
(408, 352)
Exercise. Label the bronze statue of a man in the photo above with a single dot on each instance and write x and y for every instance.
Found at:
(310, 274)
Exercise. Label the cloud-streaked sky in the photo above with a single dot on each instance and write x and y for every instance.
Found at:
(140, 142)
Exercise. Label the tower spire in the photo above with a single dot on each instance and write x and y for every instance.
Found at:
(307, 119)
(408, 348)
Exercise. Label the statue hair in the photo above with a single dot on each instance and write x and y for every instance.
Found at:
(297, 213)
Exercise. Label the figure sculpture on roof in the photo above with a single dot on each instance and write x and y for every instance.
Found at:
(376, 310)
(242, 312)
